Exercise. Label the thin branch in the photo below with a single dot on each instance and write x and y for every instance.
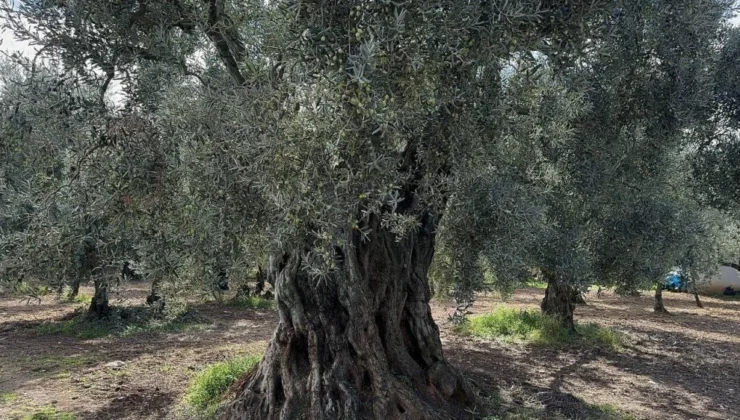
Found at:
(110, 74)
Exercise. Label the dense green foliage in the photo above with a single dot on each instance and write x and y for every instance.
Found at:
(559, 160)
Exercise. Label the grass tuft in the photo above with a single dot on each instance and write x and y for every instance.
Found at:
(49, 413)
(609, 412)
(211, 383)
(535, 284)
(252, 302)
(80, 298)
(532, 326)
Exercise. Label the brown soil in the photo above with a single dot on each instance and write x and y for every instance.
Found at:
(680, 366)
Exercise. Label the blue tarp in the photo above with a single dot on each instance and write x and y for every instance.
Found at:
(675, 281)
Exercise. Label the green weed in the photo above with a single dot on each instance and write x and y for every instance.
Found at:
(79, 327)
(212, 382)
(81, 298)
(532, 326)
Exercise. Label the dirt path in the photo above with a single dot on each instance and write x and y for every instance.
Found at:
(682, 366)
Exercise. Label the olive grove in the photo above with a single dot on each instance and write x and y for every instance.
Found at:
(345, 148)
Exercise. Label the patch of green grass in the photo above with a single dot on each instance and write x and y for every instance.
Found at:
(211, 383)
(48, 363)
(252, 302)
(532, 326)
(122, 323)
(81, 298)
(49, 413)
(535, 284)
(608, 412)
(163, 327)
(8, 397)
(78, 326)
(167, 368)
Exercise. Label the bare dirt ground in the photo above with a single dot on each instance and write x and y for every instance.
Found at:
(683, 366)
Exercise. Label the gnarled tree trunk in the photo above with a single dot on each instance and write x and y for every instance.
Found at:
(558, 302)
(358, 344)
(99, 306)
(658, 306)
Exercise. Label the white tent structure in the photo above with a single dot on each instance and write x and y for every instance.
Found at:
(725, 277)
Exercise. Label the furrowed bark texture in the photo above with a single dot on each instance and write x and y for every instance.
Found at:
(360, 344)
(558, 302)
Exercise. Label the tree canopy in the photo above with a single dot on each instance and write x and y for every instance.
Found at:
(349, 147)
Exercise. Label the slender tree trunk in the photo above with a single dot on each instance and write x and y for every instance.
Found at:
(99, 304)
(692, 285)
(74, 287)
(558, 302)
(698, 302)
(155, 298)
(260, 286)
(658, 306)
(358, 344)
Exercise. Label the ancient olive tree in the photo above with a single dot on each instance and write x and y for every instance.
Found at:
(352, 130)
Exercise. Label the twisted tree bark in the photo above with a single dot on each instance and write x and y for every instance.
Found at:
(360, 344)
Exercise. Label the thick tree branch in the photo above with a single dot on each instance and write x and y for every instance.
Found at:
(220, 35)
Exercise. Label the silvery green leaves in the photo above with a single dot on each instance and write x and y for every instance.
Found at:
(248, 129)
